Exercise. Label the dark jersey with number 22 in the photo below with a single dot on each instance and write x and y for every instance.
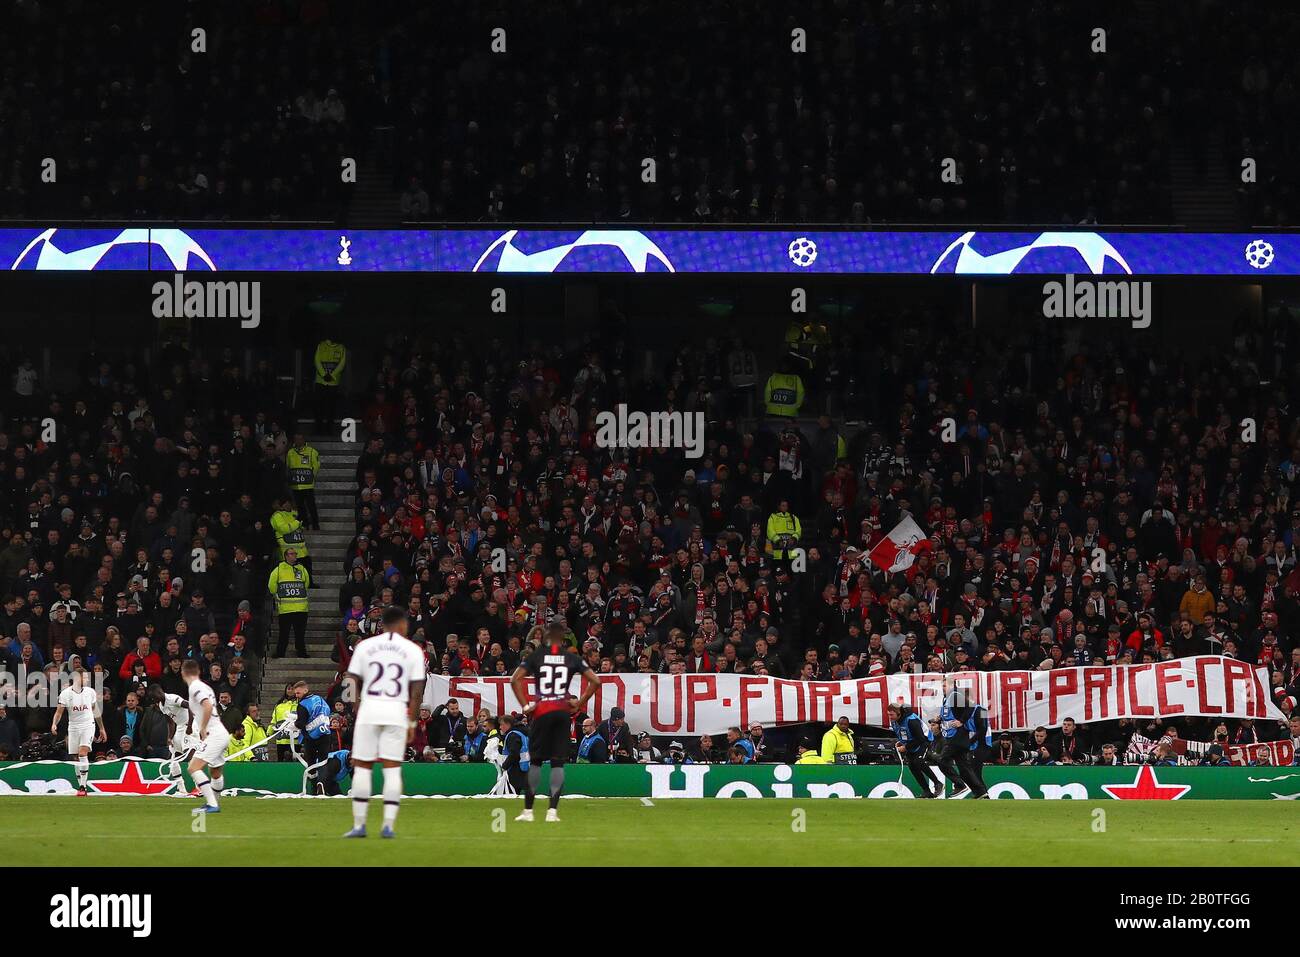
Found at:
(553, 668)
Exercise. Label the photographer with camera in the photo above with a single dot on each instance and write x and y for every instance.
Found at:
(447, 727)
(676, 754)
(1042, 751)
(1217, 753)
(1110, 756)
(1009, 751)
(618, 737)
(646, 752)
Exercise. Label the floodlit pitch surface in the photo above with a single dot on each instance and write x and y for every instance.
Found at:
(117, 831)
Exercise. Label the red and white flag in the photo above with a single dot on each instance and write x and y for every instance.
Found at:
(897, 551)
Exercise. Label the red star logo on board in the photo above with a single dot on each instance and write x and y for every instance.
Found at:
(130, 783)
(1145, 787)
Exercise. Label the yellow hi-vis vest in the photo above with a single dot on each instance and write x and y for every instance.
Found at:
(253, 733)
(289, 584)
(302, 467)
(783, 394)
(836, 742)
(282, 710)
(289, 533)
(779, 524)
(331, 357)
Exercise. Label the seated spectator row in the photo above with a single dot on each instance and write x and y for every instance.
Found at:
(1042, 124)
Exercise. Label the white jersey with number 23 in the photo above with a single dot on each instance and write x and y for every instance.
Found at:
(385, 665)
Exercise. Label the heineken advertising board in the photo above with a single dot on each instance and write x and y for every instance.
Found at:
(1124, 783)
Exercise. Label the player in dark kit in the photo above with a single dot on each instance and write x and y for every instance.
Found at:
(553, 666)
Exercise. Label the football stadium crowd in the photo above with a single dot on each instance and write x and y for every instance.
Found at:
(98, 566)
(555, 126)
(1101, 508)
(1099, 504)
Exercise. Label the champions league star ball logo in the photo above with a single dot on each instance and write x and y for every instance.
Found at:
(990, 254)
(594, 250)
(802, 252)
(58, 249)
(1259, 254)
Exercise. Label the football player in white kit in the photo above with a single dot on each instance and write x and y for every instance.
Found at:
(177, 712)
(210, 753)
(85, 712)
(387, 676)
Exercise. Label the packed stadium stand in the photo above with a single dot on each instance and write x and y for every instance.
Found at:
(656, 562)
(556, 125)
(146, 537)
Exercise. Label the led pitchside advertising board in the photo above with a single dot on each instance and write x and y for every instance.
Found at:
(774, 251)
(284, 779)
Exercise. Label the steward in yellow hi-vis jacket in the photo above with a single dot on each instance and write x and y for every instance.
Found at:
(288, 585)
(809, 756)
(249, 733)
(302, 462)
(284, 707)
(837, 744)
(783, 531)
(783, 395)
(289, 531)
(331, 357)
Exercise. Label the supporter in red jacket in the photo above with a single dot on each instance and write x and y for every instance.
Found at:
(152, 663)
(1145, 631)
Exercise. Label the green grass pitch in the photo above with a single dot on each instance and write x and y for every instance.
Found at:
(125, 831)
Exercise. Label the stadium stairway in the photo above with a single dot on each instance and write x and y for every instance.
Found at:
(1203, 193)
(336, 487)
(374, 201)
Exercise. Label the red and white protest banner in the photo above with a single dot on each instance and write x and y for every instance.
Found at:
(1278, 754)
(1016, 700)
(897, 551)
(1268, 753)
